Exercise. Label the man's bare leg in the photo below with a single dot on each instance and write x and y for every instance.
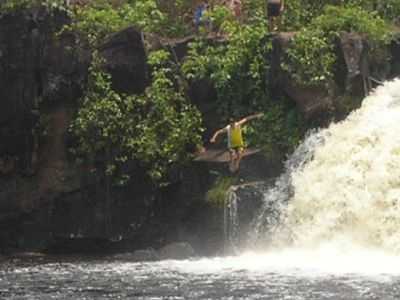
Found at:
(232, 160)
(239, 155)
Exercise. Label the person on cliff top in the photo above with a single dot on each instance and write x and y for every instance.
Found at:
(235, 139)
(274, 10)
(236, 8)
(199, 13)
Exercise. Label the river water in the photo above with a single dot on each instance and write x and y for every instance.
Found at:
(328, 229)
(283, 275)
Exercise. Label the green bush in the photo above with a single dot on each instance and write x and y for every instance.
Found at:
(310, 60)
(95, 21)
(155, 129)
(279, 131)
(99, 18)
(237, 67)
(311, 57)
(218, 192)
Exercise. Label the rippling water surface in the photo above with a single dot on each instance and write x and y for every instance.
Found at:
(284, 275)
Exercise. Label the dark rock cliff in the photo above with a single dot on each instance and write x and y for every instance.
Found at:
(46, 201)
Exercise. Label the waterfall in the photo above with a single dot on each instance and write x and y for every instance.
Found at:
(341, 187)
(231, 222)
(270, 216)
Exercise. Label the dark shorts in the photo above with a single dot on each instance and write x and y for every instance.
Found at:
(274, 8)
(236, 149)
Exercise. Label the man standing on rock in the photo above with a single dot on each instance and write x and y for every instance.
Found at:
(235, 139)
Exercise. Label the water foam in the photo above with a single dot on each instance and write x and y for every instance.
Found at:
(348, 195)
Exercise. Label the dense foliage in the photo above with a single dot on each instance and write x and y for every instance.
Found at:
(299, 13)
(97, 19)
(311, 58)
(239, 68)
(155, 129)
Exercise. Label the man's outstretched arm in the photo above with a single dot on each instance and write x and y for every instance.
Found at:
(249, 118)
(216, 134)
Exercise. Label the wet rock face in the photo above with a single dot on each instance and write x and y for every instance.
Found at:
(52, 204)
(353, 66)
(19, 53)
(35, 66)
(41, 76)
(126, 61)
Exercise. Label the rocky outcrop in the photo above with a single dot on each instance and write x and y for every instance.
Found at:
(201, 92)
(353, 72)
(35, 67)
(125, 57)
(311, 100)
(39, 77)
(351, 77)
(46, 201)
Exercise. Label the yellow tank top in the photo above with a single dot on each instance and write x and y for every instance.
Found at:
(235, 137)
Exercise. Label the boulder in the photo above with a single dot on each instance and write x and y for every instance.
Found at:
(352, 74)
(126, 61)
(176, 251)
(311, 100)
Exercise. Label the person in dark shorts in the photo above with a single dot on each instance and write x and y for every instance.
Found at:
(274, 10)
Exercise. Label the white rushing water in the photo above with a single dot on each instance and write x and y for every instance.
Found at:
(343, 208)
(348, 196)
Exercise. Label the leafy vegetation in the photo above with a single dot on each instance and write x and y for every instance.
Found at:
(218, 192)
(239, 60)
(300, 13)
(97, 19)
(156, 129)
(311, 59)
(238, 68)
